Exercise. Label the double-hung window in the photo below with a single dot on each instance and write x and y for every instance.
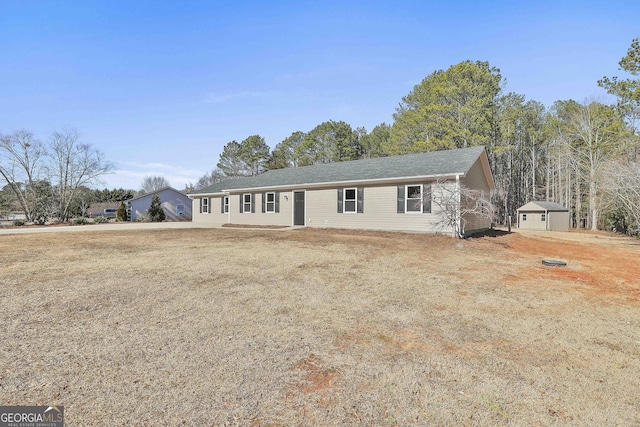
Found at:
(224, 205)
(180, 209)
(414, 198)
(204, 205)
(270, 202)
(246, 203)
(350, 199)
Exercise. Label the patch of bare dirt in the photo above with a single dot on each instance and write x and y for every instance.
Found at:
(317, 377)
(605, 266)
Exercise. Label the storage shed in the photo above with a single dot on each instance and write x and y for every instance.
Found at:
(549, 216)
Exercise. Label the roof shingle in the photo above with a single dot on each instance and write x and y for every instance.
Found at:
(434, 163)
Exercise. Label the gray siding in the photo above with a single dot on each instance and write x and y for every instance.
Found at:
(554, 221)
(475, 179)
(558, 221)
(216, 217)
(169, 199)
(379, 207)
(533, 222)
(380, 212)
(283, 217)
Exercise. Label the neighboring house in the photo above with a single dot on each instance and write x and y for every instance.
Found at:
(543, 216)
(176, 205)
(101, 206)
(384, 193)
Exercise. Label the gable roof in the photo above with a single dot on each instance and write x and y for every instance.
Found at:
(100, 206)
(157, 191)
(544, 206)
(410, 166)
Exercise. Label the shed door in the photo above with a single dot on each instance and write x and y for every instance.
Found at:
(298, 208)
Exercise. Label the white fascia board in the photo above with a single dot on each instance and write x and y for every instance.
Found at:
(487, 170)
(200, 195)
(335, 184)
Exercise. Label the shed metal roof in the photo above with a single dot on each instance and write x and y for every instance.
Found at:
(431, 164)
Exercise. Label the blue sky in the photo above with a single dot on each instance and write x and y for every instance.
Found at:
(161, 86)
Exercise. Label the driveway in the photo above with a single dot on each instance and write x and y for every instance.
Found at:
(103, 227)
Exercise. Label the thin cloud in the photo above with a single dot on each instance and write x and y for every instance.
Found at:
(130, 174)
(158, 168)
(132, 179)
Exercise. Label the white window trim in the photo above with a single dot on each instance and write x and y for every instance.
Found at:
(205, 205)
(355, 201)
(180, 211)
(245, 203)
(266, 202)
(407, 199)
(226, 204)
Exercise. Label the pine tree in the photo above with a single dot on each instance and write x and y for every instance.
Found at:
(121, 214)
(455, 108)
(156, 213)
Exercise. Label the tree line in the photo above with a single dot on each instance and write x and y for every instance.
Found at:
(54, 180)
(581, 154)
(48, 180)
(41, 195)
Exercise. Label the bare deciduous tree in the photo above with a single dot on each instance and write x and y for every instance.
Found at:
(151, 184)
(621, 184)
(208, 179)
(20, 167)
(595, 138)
(457, 205)
(73, 165)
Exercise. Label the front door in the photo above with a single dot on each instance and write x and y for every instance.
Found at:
(298, 208)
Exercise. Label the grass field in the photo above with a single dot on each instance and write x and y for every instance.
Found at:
(321, 327)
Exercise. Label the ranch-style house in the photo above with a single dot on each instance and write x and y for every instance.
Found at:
(394, 193)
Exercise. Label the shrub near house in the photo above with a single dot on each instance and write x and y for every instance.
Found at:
(156, 213)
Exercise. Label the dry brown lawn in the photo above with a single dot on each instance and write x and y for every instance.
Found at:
(311, 327)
